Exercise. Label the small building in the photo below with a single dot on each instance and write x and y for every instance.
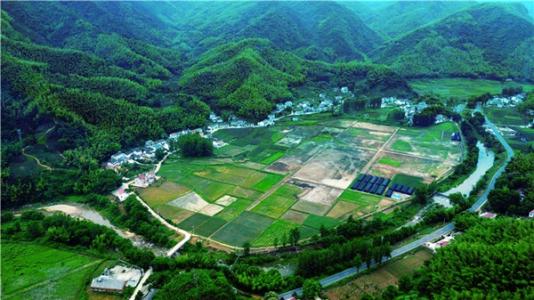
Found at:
(446, 239)
(114, 280)
(107, 284)
(531, 214)
(344, 90)
(488, 215)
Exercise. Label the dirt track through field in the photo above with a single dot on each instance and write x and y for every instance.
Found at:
(366, 168)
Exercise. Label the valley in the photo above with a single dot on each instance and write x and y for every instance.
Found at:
(267, 150)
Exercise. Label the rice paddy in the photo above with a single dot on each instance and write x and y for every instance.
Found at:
(267, 181)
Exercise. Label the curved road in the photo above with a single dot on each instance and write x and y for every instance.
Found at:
(327, 281)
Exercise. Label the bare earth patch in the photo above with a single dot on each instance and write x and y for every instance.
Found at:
(225, 200)
(294, 216)
(321, 194)
(333, 167)
(373, 127)
(193, 202)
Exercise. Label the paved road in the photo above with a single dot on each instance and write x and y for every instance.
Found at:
(327, 281)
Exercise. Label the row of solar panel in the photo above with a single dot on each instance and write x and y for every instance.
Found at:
(401, 188)
(371, 184)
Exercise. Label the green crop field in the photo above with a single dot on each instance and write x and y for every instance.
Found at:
(506, 116)
(233, 210)
(360, 199)
(210, 226)
(386, 160)
(401, 146)
(279, 202)
(245, 228)
(31, 271)
(316, 222)
(408, 180)
(462, 88)
(267, 182)
(193, 222)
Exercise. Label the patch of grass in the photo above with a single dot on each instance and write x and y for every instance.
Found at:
(245, 228)
(272, 158)
(233, 210)
(47, 272)
(401, 146)
(412, 181)
(193, 222)
(210, 226)
(359, 199)
(267, 182)
(387, 160)
(316, 222)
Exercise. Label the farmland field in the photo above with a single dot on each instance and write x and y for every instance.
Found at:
(31, 271)
(296, 174)
(463, 88)
(245, 228)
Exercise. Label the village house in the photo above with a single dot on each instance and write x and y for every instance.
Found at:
(114, 280)
(143, 180)
(445, 240)
(488, 215)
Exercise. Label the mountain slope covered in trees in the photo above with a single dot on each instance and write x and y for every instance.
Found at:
(489, 40)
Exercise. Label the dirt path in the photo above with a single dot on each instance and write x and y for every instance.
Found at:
(38, 284)
(377, 154)
(36, 160)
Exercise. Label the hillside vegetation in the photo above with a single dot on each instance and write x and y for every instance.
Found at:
(489, 40)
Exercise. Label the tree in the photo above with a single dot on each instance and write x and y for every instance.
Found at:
(193, 145)
(246, 249)
(197, 284)
(311, 289)
(160, 154)
(294, 236)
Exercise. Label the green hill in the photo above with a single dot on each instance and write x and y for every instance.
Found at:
(249, 76)
(401, 17)
(489, 40)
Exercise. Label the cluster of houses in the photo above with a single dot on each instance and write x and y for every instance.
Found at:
(147, 153)
(501, 102)
(116, 279)
(409, 108)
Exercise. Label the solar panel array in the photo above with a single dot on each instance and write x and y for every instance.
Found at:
(400, 188)
(371, 184)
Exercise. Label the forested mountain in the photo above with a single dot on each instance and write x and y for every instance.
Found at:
(402, 17)
(317, 30)
(492, 40)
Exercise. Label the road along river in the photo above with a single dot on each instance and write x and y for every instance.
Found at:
(329, 280)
